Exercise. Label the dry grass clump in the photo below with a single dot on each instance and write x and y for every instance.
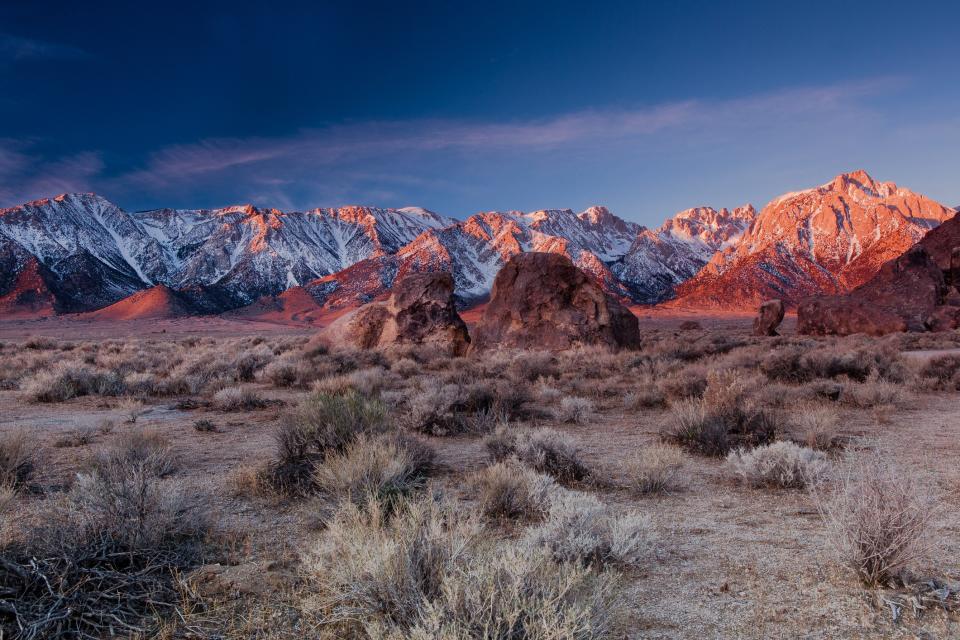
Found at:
(645, 398)
(878, 516)
(546, 394)
(131, 409)
(574, 410)
(655, 469)
(580, 529)
(530, 366)
(284, 372)
(40, 343)
(816, 425)
(447, 409)
(546, 450)
(238, 399)
(18, 459)
(806, 363)
(67, 380)
(142, 384)
(689, 382)
(209, 368)
(204, 426)
(510, 491)
(405, 367)
(76, 438)
(150, 451)
(320, 424)
(781, 464)
(104, 561)
(875, 393)
(383, 468)
(430, 571)
(8, 497)
(690, 348)
(943, 370)
(721, 420)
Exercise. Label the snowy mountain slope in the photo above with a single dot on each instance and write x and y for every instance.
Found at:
(625, 257)
(96, 254)
(80, 252)
(659, 260)
(828, 239)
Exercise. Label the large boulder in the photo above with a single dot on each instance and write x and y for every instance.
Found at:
(769, 317)
(903, 296)
(543, 301)
(419, 311)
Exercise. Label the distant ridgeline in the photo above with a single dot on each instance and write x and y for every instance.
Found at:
(81, 253)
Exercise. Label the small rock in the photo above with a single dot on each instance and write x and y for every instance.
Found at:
(769, 317)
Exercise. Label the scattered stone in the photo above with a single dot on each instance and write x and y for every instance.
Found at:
(769, 317)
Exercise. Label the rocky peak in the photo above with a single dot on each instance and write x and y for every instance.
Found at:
(827, 239)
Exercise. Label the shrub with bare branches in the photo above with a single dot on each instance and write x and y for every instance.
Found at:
(238, 399)
(581, 529)
(574, 410)
(104, 563)
(319, 425)
(878, 516)
(720, 420)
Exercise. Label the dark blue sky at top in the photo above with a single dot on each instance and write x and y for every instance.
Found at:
(645, 107)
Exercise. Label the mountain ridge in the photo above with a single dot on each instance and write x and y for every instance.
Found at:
(81, 252)
(826, 239)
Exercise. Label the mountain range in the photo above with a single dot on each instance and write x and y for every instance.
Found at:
(81, 253)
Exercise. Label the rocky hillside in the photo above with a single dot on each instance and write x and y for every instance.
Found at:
(829, 239)
(630, 261)
(93, 253)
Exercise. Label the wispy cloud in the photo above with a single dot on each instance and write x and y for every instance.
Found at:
(17, 48)
(310, 156)
(394, 161)
(26, 175)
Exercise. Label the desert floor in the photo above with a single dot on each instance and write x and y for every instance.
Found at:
(730, 561)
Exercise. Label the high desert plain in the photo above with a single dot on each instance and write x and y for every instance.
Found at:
(479, 321)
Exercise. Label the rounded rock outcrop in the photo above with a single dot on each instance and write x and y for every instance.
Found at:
(420, 310)
(543, 301)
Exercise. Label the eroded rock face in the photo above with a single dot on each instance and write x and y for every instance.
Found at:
(543, 301)
(420, 311)
(769, 317)
(904, 296)
(822, 241)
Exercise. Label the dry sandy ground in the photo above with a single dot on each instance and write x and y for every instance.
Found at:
(731, 562)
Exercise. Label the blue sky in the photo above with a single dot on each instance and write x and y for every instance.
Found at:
(647, 108)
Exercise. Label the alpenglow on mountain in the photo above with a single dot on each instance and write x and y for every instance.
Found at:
(829, 239)
(80, 252)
